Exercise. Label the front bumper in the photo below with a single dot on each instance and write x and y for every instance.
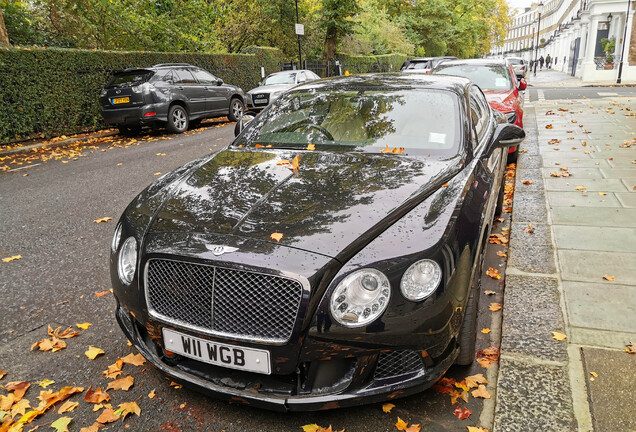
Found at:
(272, 392)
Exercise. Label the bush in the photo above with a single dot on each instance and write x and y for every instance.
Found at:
(49, 91)
(366, 64)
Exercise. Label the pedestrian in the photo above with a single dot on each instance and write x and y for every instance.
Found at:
(548, 61)
(541, 61)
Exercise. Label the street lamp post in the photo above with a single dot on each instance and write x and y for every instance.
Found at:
(536, 49)
(620, 66)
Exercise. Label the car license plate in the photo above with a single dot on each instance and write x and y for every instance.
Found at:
(260, 101)
(121, 100)
(231, 356)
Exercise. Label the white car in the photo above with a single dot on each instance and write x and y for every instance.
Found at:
(276, 84)
(519, 65)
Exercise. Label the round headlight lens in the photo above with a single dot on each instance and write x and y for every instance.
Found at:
(420, 280)
(116, 238)
(127, 261)
(360, 298)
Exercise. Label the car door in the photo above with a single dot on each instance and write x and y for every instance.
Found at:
(190, 89)
(217, 96)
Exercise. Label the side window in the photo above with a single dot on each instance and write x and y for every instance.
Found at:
(300, 77)
(480, 112)
(204, 77)
(184, 76)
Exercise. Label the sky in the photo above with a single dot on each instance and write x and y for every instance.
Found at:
(520, 4)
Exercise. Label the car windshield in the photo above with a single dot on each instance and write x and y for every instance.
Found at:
(287, 78)
(487, 77)
(419, 65)
(423, 121)
(125, 79)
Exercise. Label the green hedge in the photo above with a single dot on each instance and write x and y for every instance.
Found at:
(371, 63)
(51, 91)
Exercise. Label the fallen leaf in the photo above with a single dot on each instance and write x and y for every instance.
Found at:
(92, 428)
(581, 188)
(489, 292)
(96, 396)
(311, 147)
(470, 429)
(529, 229)
(61, 424)
(20, 407)
(473, 381)
(594, 374)
(276, 236)
(104, 219)
(45, 383)
(295, 163)
(493, 273)
(631, 348)
(283, 162)
(152, 394)
(462, 385)
(93, 352)
(12, 258)
(602, 193)
(107, 416)
(495, 307)
(527, 182)
(157, 173)
(401, 424)
(175, 385)
(462, 413)
(609, 278)
(121, 384)
(67, 406)
(387, 407)
(101, 293)
(485, 330)
(128, 408)
(558, 336)
(413, 428)
(3, 373)
(481, 392)
(554, 141)
(114, 370)
(134, 359)
(548, 126)
(488, 356)
(18, 388)
(163, 154)
(84, 326)
(502, 254)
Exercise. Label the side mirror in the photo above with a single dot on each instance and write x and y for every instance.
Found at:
(219, 82)
(505, 135)
(522, 84)
(243, 121)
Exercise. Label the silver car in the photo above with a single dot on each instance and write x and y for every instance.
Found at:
(276, 84)
(519, 65)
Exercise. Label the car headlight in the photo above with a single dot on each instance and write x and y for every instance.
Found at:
(127, 261)
(103, 92)
(420, 280)
(360, 298)
(275, 95)
(511, 116)
(116, 238)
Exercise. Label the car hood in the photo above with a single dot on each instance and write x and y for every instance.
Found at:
(333, 204)
(271, 88)
(503, 101)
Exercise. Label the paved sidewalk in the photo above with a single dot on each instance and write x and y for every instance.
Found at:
(568, 233)
(557, 78)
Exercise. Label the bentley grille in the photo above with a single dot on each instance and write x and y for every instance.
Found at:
(396, 363)
(221, 300)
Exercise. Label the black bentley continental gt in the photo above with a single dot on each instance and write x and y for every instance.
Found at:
(330, 256)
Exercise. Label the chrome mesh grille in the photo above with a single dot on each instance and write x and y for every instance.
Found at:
(397, 363)
(222, 300)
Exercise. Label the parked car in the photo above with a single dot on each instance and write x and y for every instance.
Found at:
(330, 256)
(175, 95)
(423, 64)
(519, 65)
(498, 82)
(276, 84)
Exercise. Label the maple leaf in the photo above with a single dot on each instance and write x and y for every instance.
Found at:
(481, 392)
(413, 428)
(128, 408)
(107, 416)
(96, 396)
(152, 394)
(114, 370)
(18, 388)
(401, 424)
(472, 429)
(121, 384)
(493, 273)
(84, 326)
(485, 330)
(104, 219)
(93, 352)
(558, 336)
(609, 278)
(67, 406)
(529, 229)
(387, 407)
(12, 258)
(488, 356)
(311, 147)
(295, 163)
(474, 380)
(134, 359)
(61, 424)
(462, 413)
(20, 407)
(101, 293)
(92, 428)
(276, 236)
(45, 383)
(495, 307)
(489, 292)
(462, 385)
(386, 149)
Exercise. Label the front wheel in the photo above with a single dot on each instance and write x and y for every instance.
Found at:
(177, 119)
(236, 110)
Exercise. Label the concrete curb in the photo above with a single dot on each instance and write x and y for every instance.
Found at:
(62, 143)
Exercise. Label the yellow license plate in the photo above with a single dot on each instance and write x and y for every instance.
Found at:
(121, 100)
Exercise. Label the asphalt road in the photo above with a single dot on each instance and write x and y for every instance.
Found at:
(47, 216)
(550, 92)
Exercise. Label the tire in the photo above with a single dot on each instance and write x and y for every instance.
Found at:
(468, 332)
(236, 110)
(129, 130)
(500, 198)
(178, 120)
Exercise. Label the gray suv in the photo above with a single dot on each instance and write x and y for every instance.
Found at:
(175, 95)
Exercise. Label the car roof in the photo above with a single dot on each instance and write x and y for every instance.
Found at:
(391, 80)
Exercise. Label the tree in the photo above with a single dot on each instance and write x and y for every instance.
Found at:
(4, 37)
(337, 20)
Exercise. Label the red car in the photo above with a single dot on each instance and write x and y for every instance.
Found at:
(497, 80)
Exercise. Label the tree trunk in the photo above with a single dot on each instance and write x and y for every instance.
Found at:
(4, 37)
(330, 45)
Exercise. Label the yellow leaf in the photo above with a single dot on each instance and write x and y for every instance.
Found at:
(107, 416)
(474, 380)
(558, 336)
(3, 373)
(312, 428)
(28, 417)
(124, 383)
(93, 352)
(413, 428)
(462, 385)
(84, 326)
(96, 396)
(481, 392)
(485, 330)
(67, 407)
(495, 307)
(594, 374)
(609, 278)
(283, 162)
(387, 407)
(602, 193)
(12, 258)
(401, 424)
(19, 407)
(152, 394)
(295, 162)
(134, 359)
(45, 383)
(311, 147)
(489, 292)
(157, 173)
(276, 236)
(104, 219)
(161, 154)
(472, 429)
(128, 408)
(92, 428)
(61, 424)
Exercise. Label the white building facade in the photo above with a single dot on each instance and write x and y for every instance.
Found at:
(571, 32)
